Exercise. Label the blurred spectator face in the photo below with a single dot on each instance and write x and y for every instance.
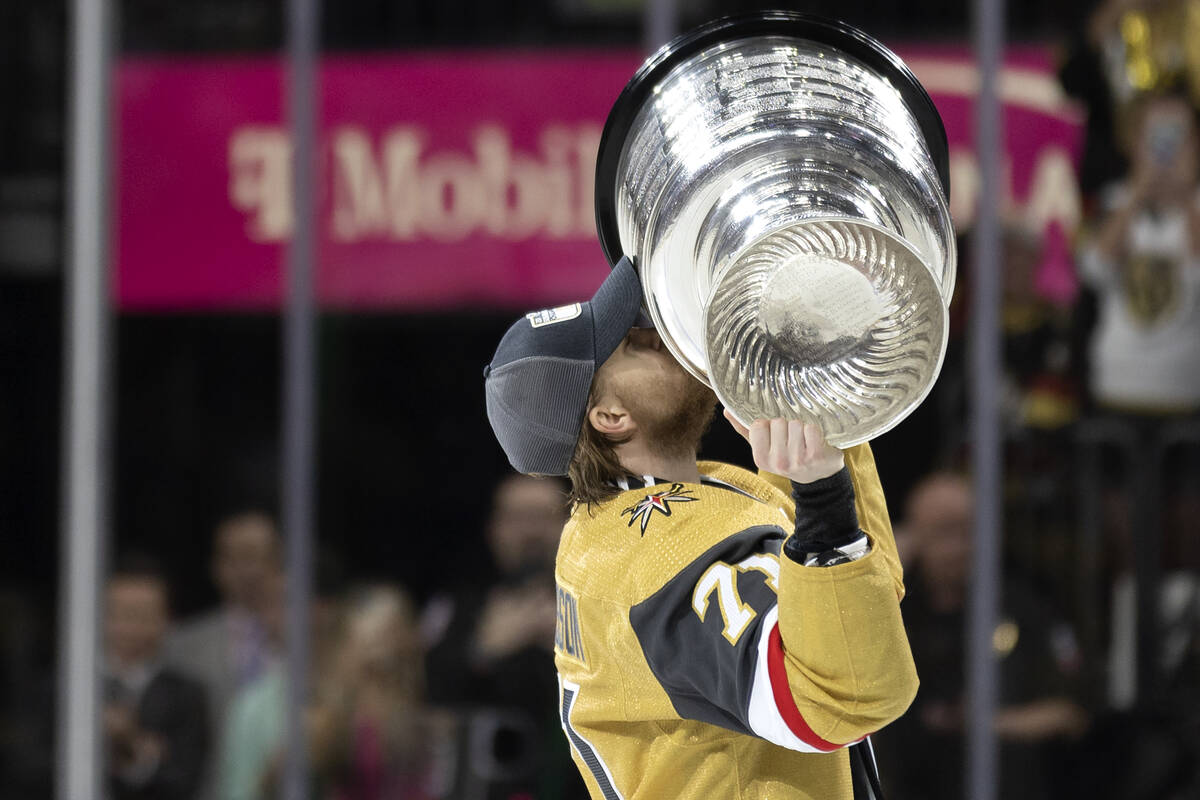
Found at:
(323, 613)
(135, 618)
(245, 559)
(527, 518)
(1166, 141)
(939, 521)
(382, 635)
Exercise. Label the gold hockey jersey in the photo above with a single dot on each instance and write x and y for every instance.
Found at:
(696, 662)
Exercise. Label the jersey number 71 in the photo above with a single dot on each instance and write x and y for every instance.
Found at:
(722, 579)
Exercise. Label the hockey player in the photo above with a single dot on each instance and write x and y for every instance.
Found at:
(721, 634)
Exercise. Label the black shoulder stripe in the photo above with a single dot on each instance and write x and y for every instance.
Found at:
(707, 676)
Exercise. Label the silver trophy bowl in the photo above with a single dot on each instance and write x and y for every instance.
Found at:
(781, 182)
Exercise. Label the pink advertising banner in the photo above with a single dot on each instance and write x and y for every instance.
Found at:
(448, 180)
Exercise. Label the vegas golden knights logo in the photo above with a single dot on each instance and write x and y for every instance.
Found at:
(644, 509)
(1151, 284)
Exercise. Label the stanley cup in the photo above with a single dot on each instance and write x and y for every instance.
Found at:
(781, 182)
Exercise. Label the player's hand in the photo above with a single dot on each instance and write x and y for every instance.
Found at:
(791, 448)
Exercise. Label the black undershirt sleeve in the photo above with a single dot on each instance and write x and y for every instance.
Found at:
(825, 516)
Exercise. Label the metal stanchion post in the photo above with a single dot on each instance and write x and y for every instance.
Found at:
(982, 756)
(299, 423)
(85, 408)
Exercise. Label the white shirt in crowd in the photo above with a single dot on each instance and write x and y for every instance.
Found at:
(1145, 351)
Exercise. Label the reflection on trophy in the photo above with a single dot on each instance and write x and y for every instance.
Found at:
(781, 181)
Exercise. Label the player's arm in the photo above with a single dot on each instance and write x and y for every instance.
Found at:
(845, 654)
(869, 503)
(745, 636)
(713, 636)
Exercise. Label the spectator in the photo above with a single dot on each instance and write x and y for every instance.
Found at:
(253, 739)
(373, 738)
(155, 723)
(490, 626)
(228, 648)
(1125, 48)
(1142, 262)
(921, 754)
(253, 734)
(492, 642)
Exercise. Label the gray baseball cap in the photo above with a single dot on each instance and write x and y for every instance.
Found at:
(538, 383)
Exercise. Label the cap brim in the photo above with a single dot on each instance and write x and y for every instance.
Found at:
(615, 308)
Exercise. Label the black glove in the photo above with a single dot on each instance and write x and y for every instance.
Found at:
(826, 520)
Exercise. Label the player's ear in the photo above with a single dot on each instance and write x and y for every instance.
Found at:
(611, 419)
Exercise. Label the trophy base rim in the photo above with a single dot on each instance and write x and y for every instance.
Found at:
(882, 310)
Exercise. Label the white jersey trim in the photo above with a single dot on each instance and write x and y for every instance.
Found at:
(764, 717)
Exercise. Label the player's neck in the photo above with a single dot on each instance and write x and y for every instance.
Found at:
(639, 459)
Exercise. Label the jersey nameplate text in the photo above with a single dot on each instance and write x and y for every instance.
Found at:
(568, 639)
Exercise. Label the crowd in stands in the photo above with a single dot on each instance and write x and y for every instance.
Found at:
(456, 699)
(1102, 420)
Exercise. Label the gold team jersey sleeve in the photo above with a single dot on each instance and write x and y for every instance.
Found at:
(845, 652)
